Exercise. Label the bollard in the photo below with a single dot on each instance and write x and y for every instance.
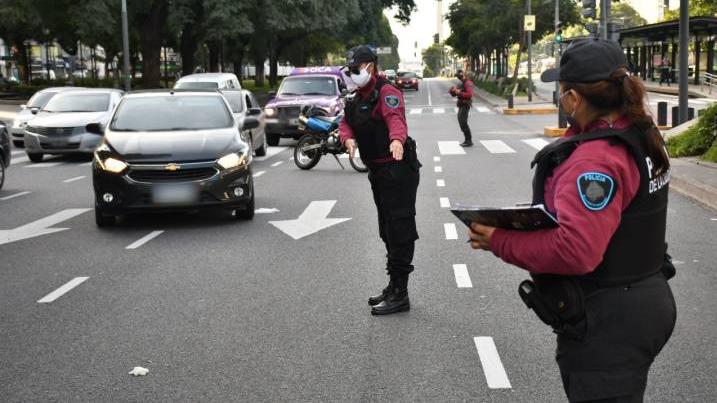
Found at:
(675, 116)
(690, 113)
(510, 101)
(662, 113)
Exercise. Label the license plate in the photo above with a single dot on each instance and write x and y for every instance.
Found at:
(175, 194)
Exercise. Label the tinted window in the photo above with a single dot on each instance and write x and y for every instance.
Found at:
(40, 99)
(308, 86)
(249, 103)
(407, 75)
(197, 85)
(235, 100)
(169, 112)
(78, 103)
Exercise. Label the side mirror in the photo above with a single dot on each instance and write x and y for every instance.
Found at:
(250, 123)
(95, 128)
(254, 112)
(34, 110)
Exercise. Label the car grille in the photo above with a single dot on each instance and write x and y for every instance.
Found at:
(50, 131)
(289, 112)
(182, 175)
(68, 146)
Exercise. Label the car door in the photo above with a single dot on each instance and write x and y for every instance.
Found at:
(258, 134)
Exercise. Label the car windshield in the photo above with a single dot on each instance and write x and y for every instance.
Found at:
(197, 85)
(407, 75)
(171, 112)
(78, 103)
(308, 86)
(235, 99)
(40, 99)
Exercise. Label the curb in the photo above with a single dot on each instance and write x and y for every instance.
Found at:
(530, 111)
(552, 131)
(699, 192)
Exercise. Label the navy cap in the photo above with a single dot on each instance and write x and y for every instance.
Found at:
(587, 61)
(360, 54)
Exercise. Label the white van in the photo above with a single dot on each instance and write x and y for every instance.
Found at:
(221, 81)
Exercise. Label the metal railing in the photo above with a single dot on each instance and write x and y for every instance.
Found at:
(709, 80)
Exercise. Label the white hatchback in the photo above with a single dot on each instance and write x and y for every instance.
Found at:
(209, 81)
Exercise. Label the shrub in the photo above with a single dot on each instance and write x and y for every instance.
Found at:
(698, 139)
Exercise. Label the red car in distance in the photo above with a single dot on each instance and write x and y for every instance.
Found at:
(407, 79)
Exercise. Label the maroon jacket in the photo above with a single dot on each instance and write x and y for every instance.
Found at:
(465, 95)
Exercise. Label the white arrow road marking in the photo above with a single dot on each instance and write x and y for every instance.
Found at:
(270, 152)
(463, 279)
(312, 220)
(450, 230)
(536, 143)
(496, 147)
(14, 196)
(450, 148)
(144, 239)
(77, 178)
(258, 174)
(445, 203)
(440, 183)
(39, 227)
(266, 211)
(62, 290)
(493, 369)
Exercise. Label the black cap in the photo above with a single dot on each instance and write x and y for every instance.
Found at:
(458, 73)
(360, 54)
(587, 61)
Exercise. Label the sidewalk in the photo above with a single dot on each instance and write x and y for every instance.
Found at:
(695, 179)
(696, 91)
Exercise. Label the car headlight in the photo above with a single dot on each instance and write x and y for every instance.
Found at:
(233, 160)
(17, 124)
(111, 164)
(269, 112)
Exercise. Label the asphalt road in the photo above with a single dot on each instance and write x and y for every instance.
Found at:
(219, 310)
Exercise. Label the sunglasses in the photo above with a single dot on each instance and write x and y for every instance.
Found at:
(354, 69)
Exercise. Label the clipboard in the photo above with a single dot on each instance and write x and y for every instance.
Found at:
(523, 218)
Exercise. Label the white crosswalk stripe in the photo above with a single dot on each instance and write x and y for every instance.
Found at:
(450, 148)
(438, 111)
(536, 143)
(415, 111)
(497, 147)
(483, 109)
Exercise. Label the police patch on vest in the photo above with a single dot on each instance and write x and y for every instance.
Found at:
(392, 101)
(596, 190)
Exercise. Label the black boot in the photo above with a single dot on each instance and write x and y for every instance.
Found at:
(377, 299)
(397, 298)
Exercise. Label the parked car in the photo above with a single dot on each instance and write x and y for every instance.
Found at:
(200, 81)
(407, 79)
(390, 75)
(59, 127)
(243, 104)
(5, 152)
(29, 111)
(172, 150)
(318, 86)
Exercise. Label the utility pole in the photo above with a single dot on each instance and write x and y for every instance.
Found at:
(684, 52)
(530, 58)
(125, 47)
(558, 53)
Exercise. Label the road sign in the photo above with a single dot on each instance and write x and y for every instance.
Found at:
(383, 51)
(529, 23)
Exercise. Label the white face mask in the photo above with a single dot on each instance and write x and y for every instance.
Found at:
(362, 78)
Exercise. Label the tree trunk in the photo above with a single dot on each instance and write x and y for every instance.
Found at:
(187, 50)
(273, 65)
(23, 63)
(213, 57)
(151, 33)
(259, 77)
(238, 64)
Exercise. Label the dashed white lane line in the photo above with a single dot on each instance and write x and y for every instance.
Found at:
(450, 229)
(144, 239)
(440, 183)
(428, 89)
(445, 203)
(43, 165)
(270, 152)
(266, 211)
(493, 369)
(496, 147)
(258, 174)
(14, 196)
(713, 219)
(438, 111)
(483, 109)
(536, 143)
(62, 290)
(463, 279)
(450, 148)
(277, 163)
(77, 178)
(437, 169)
(436, 159)
(415, 111)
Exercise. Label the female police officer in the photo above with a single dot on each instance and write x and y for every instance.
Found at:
(374, 118)
(600, 277)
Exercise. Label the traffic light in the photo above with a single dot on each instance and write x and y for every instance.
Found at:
(589, 9)
(559, 33)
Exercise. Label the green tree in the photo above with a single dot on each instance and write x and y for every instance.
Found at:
(625, 15)
(433, 57)
(21, 22)
(698, 8)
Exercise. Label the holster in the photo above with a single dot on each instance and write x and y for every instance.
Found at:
(410, 154)
(559, 302)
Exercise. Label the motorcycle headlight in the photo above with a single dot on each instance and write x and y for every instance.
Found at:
(269, 112)
(233, 160)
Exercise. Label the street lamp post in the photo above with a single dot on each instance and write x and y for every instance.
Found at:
(46, 32)
(530, 58)
(125, 46)
(684, 52)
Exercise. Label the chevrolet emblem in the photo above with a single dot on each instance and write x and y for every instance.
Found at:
(172, 167)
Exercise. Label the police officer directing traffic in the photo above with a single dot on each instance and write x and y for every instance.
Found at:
(374, 121)
(600, 277)
(464, 95)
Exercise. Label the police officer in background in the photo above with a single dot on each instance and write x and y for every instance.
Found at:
(600, 277)
(464, 93)
(375, 122)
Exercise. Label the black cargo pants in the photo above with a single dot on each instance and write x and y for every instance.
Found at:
(394, 187)
(463, 122)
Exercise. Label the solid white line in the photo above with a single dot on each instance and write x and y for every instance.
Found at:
(74, 179)
(439, 110)
(440, 183)
(450, 148)
(438, 169)
(445, 203)
(450, 230)
(493, 369)
(14, 195)
(536, 143)
(428, 89)
(144, 239)
(258, 174)
(463, 279)
(415, 111)
(277, 163)
(436, 159)
(62, 290)
(496, 147)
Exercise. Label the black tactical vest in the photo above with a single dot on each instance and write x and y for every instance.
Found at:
(370, 133)
(637, 249)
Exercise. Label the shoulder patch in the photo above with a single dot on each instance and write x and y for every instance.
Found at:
(596, 190)
(392, 101)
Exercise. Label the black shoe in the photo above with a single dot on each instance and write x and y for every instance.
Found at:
(467, 144)
(377, 299)
(394, 302)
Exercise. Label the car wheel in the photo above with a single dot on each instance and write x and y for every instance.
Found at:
(261, 151)
(103, 220)
(272, 139)
(35, 157)
(18, 143)
(247, 213)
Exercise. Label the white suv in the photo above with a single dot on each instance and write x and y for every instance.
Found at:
(209, 81)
